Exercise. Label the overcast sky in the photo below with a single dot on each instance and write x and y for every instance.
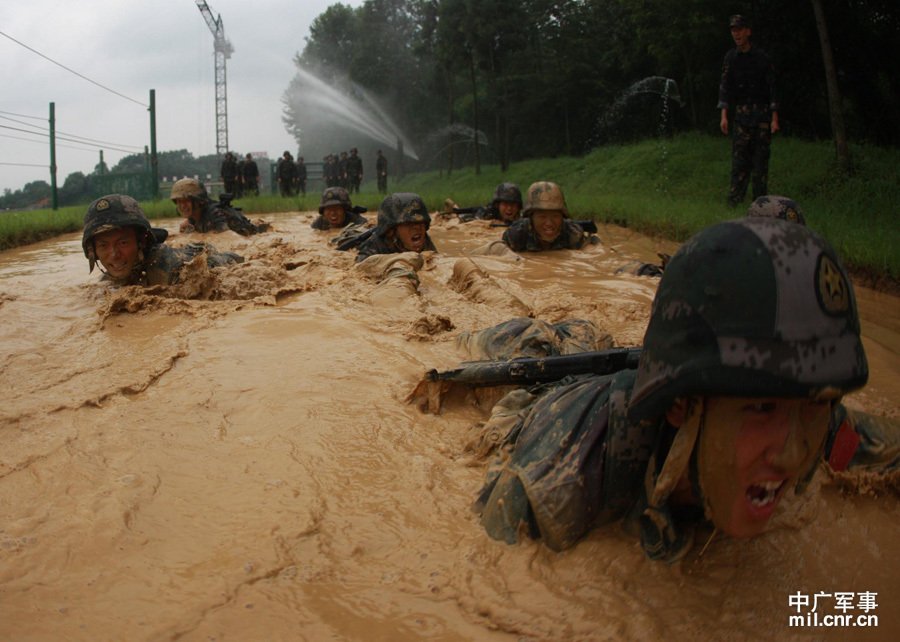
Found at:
(132, 46)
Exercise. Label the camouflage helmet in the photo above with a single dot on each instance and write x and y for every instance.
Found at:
(755, 307)
(404, 207)
(777, 207)
(109, 213)
(544, 195)
(508, 193)
(189, 188)
(335, 196)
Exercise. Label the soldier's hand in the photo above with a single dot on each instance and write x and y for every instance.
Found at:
(774, 125)
(723, 124)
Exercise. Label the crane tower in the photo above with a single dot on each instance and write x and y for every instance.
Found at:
(223, 51)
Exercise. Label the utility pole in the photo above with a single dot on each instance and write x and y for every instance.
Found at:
(154, 165)
(223, 50)
(53, 196)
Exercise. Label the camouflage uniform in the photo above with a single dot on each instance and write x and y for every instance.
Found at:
(301, 176)
(506, 192)
(341, 167)
(748, 85)
(544, 196)
(753, 307)
(394, 210)
(214, 216)
(354, 171)
(158, 264)
(286, 172)
(337, 196)
(381, 170)
(251, 176)
(229, 174)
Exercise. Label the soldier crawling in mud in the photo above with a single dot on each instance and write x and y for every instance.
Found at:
(753, 341)
(202, 214)
(119, 237)
(546, 225)
(403, 223)
(505, 208)
(336, 211)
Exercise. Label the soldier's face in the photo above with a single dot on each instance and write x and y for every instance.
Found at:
(741, 36)
(334, 214)
(185, 206)
(117, 251)
(547, 224)
(509, 211)
(412, 236)
(751, 451)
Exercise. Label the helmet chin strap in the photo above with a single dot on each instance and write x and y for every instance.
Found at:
(680, 453)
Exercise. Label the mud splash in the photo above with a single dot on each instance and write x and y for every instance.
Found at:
(231, 459)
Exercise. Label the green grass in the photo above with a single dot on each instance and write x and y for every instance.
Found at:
(669, 187)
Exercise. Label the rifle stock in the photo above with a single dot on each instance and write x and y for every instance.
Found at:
(528, 371)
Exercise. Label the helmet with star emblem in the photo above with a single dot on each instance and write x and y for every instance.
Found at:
(753, 307)
(508, 193)
(404, 207)
(777, 207)
(109, 213)
(335, 196)
(189, 188)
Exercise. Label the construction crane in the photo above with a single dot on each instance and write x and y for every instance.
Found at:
(223, 51)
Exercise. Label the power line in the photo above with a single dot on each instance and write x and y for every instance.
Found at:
(24, 165)
(92, 140)
(17, 129)
(73, 71)
(43, 142)
(23, 115)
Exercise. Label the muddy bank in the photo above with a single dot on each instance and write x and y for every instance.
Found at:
(231, 459)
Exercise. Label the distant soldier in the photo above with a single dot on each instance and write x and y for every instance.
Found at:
(748, 85)
(202, 214)
(381, 170)
(228, 173)
(546, 225)
(286, 172)
(336, 211)
(328, 171)
(239, 179)
(251, 176)
(118, 235)
(342, 171)
(301, 176)
(354, 171)
(403, 223)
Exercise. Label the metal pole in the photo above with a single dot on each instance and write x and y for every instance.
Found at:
(154, 164)
(53, 196)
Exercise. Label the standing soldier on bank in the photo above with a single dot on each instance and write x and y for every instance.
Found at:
(381, 172)
(251, 176)
(748, 85)
(301, 176)
(228, 173)
(354, 171)
(342, 171)
(239, 178)
(286, 171)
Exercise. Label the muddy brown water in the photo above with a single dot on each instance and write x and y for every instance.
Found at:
(232, 460)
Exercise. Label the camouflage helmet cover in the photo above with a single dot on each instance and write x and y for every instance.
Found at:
(777, 207)
(335, 196)
(545, 195)
(404, 207)
(189, 188)
(109, 213)
(754, 307)
(737, 20)
(508, 193)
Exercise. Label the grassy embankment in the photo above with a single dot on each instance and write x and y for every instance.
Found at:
(669, 187)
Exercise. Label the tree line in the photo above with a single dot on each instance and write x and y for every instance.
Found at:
(541, 78)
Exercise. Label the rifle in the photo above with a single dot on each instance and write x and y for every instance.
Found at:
(586, 226)
(355, 241)
(359, 209)
(225, 199)
(527, 371)
(462, 210)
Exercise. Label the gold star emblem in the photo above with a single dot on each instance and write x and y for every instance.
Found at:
(833, 291)
(103, 204)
